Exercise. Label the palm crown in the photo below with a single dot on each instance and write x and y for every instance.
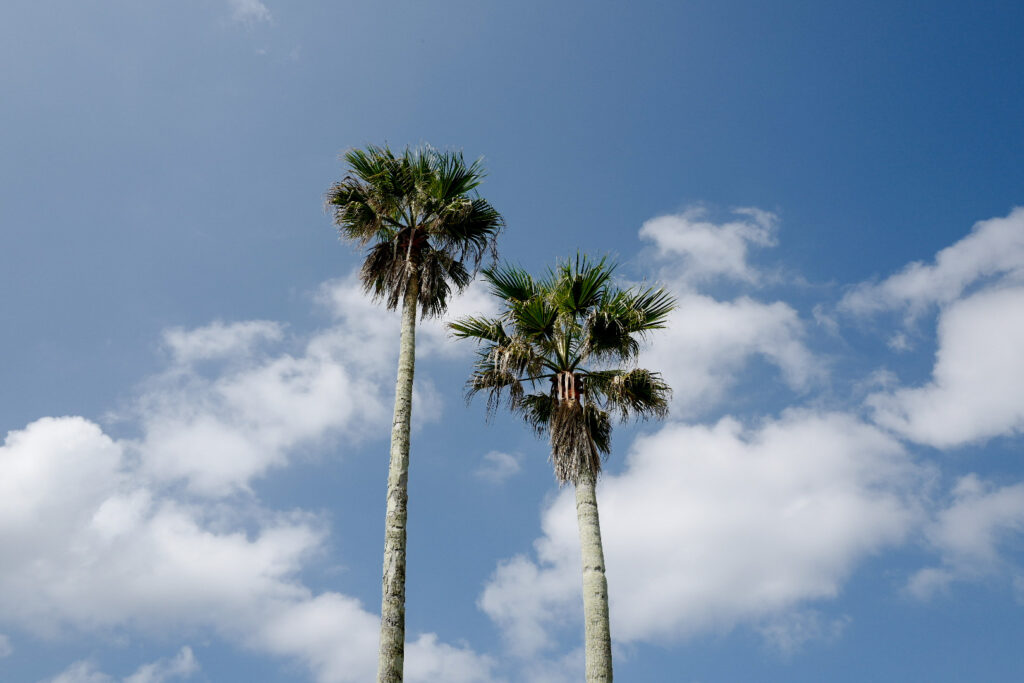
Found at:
(577, 333)
(419, 210)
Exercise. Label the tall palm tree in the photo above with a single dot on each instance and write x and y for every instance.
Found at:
(427, 232)
(562, 355)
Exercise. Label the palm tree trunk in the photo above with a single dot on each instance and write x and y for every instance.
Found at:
(392, 611)
(597, 632)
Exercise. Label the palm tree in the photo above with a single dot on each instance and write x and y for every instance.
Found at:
(561, 355)
(427, 232)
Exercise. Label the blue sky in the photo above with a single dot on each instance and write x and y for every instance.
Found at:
(196, 396)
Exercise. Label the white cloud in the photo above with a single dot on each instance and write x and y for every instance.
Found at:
(220, 340)
(90, 545)
(345, 300)
(249, 11)
(789, 633)
(331, 633)
(564, 668)
(899, 342)
(995, 248)
(337, 640)
(219, 432)
(5, 646)
(81, 672)
(97, 537)
(181, 666)
(701, 250)
(710, 527)
(708, 342)
(431, 660)
(975, 390)
(969, 532)
(498, 466)
(222, 414)
(526, 599)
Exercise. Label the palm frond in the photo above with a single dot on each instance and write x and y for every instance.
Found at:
(510, 283)
(647, 309)
(415, 208)
(556, 328)
(385, 276)
(580, 283)
(370, 165)
(635, 393)
(479, 328)
(536, 409)
(439, 272)
(469, 228)
(616, 325)
(534, 317)
(500, 386)
(452, 177)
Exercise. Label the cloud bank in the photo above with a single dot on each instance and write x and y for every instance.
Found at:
(749, 521)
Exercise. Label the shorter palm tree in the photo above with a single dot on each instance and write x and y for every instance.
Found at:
(562, 355)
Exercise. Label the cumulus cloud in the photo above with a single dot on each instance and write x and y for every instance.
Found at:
(994, 249)
(975, 390)
(91, 545)
(337, 639)
(239, 398)
(5, 646)
(99, 537)
(708, 342)
(219, 429)
(969, 534)
(710, 527)
(701, 250)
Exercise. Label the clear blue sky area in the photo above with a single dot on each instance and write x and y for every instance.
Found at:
(197, 397)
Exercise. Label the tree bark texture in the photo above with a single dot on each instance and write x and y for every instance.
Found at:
(392, 618)
(597, 633)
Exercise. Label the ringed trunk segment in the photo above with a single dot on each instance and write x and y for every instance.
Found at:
(597, 631)
(569, 387)
(391, 658)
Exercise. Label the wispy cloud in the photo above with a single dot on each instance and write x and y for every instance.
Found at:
(498, 466)
(249, 11)
(993, 250)
(699, 249)
(788, 634)
(180, 667)
(969, 535)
